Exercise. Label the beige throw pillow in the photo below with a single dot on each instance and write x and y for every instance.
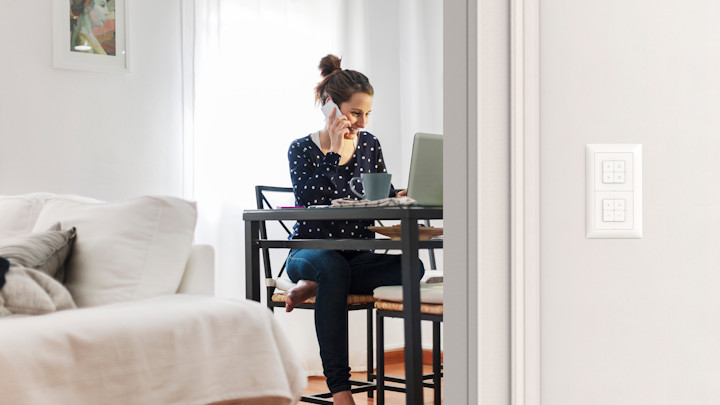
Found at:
(43, 251)
(124, 250)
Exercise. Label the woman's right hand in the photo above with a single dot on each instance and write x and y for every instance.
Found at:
(337, 126)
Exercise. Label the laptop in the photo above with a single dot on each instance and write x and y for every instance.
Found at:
(425, 183)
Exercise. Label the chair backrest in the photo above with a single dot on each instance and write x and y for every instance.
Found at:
(263, 202)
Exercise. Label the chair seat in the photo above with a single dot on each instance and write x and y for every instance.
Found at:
(429, 293)
(353, 299)
(389, 298)
(433, 309)
(432, 277)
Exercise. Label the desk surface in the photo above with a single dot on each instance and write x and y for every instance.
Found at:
(407, 212)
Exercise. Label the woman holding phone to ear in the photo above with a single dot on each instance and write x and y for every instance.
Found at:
(321, 165)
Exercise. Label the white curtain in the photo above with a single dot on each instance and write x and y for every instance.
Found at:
(253, 71)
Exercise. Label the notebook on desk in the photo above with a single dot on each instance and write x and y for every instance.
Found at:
(425, 183)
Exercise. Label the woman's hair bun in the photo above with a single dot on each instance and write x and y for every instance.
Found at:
(339, 84)
(329, 64)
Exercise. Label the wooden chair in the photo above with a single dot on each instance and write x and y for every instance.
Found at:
(389, 304)
(277, 287)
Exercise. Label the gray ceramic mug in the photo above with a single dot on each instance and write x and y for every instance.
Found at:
(376, 185)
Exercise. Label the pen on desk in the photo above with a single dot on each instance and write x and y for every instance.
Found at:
(297, 206)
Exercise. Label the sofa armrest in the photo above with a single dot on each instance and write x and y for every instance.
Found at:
(199, 276)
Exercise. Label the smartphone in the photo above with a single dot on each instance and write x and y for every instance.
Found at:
(328, 108)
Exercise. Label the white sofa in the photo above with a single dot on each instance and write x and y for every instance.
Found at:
(146, 329)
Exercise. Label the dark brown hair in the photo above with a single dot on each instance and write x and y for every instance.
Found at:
(339, 84)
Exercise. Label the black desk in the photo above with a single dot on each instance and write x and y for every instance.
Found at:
(408, 245)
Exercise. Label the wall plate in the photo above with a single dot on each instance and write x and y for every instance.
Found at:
(613, 191)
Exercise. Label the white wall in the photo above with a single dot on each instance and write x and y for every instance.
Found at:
(631, 321)
(108, 136)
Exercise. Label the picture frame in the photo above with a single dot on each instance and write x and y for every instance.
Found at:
(91, 35)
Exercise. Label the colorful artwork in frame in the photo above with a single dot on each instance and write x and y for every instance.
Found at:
(90, 35)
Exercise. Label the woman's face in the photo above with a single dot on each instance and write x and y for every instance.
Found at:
(357, 110)
(99, 13)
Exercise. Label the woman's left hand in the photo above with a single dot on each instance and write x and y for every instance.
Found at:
(401, 193)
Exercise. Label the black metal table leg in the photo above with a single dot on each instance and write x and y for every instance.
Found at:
(437, 361)
(380, 355)
(369, 349)
(252, 261)
(411, 311)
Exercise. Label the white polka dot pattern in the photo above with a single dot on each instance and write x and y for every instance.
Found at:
(318, 179)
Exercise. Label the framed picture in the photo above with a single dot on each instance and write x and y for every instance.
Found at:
(90, 35)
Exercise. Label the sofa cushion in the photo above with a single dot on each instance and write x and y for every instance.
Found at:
(42, 251)
(125, 250)
(19, 212)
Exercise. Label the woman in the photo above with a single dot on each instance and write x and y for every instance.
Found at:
(86, 15)
(321, 164)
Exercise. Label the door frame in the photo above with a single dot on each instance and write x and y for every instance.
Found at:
(492, 134)
(525, 217)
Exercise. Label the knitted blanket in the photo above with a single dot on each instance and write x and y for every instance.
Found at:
(31, 292)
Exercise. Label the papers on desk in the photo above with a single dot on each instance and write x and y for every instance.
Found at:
(385, 202)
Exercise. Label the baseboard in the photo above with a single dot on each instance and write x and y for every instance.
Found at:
(398, 356)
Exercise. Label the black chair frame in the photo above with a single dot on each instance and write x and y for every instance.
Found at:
(358, 386)
(437, 372)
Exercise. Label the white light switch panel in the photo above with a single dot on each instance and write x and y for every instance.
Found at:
(614, 191)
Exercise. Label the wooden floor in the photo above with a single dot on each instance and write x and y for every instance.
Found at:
(317, 384)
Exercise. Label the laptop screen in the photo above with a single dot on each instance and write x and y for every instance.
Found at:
(425, 183)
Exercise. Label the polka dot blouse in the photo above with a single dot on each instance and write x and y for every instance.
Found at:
(318, 179)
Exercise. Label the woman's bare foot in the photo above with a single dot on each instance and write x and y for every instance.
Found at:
(343, 398)
(298, 294)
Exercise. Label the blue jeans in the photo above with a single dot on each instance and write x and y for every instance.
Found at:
(339, 273)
